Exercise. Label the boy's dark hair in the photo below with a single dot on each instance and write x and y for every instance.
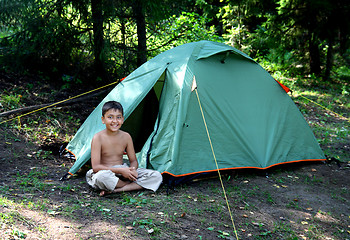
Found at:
(112, 105)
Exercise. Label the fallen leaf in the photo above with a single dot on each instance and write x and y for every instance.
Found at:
(52, 212)
(150, 230)
(245, 215)
(225, 234)
(129, 227)
(284, 186)
(182, 215)
(304, 223)
(313, 170)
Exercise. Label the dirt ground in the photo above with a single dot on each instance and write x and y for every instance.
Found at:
(309, 200)
(300, 201)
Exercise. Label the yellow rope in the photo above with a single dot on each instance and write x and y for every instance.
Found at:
(217, 166)
(325, 108)
(54, 104)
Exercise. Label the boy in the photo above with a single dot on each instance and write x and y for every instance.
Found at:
(108, 172)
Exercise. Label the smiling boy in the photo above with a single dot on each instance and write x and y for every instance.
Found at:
(109, 173)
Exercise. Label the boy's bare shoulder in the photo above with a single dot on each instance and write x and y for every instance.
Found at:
(99, 134)
(124, 133)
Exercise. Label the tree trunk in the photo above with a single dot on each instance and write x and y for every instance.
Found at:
(97, 20)
(329, 63)
(315, 61)
(141, 32)
(123, 47)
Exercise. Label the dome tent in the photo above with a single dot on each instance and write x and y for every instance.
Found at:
(253, 123)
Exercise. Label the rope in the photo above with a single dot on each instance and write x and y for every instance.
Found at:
(217, 166)
(339, 115)
(54, 104)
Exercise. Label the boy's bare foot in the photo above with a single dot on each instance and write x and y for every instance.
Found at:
(104, 193)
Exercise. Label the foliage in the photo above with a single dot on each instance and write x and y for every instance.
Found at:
(60, 38)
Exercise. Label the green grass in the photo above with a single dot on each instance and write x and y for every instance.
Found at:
(156, 216)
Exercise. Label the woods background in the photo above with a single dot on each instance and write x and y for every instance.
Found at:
(70, 42)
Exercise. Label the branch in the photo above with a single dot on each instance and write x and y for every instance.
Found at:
(61, 103)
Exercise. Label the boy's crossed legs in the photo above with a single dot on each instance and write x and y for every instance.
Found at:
(108, 182)
(122, 186)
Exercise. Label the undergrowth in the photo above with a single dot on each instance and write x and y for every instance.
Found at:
(157, 215)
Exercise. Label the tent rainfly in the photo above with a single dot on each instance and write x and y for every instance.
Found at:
(252, 121)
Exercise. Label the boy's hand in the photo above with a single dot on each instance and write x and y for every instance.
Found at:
(130, 173)
(133, 170)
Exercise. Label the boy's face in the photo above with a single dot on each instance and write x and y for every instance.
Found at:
(113, 119)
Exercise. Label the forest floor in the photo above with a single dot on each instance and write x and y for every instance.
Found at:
(309, 200)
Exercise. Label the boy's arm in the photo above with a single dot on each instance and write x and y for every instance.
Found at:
(130, 151)
(96, 154)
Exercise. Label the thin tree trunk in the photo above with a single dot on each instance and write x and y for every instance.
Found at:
(97, 19)
(123, 32)
(141, 32)
(329, 62)
(315, 61)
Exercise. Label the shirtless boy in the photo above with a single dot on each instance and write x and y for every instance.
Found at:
(109, 173)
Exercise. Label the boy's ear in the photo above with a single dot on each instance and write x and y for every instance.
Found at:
(103, 120)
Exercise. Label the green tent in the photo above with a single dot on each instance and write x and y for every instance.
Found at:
(251, 120)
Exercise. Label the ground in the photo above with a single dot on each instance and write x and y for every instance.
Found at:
(308, 200)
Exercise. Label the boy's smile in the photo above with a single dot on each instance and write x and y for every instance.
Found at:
(113, 119)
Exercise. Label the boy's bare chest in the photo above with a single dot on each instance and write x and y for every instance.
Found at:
(113, 146)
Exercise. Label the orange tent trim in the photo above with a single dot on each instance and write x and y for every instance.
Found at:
(284, 87)
(235, 168)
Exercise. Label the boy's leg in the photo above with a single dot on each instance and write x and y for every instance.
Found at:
(128, 187)
(120, 184)
(123, 186)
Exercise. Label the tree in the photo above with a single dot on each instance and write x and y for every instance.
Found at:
(98, 48)
(318, 22)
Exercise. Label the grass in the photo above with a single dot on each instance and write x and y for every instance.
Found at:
(202, 213)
